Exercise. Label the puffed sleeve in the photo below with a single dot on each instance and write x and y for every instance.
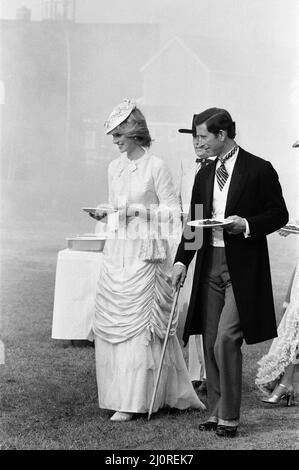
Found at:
(165, 226)
(168, 212)
(113, 218)
(111, 172)
(165, 191)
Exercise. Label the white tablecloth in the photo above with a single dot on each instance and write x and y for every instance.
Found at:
(75, 286)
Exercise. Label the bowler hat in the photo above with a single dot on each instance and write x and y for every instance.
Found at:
(193, 127)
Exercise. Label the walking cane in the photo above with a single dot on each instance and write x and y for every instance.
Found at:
(163, 350)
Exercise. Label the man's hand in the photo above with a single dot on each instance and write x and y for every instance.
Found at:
(179, 272)
(283, 233)
(236, 226)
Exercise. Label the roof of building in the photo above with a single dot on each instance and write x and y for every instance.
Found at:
(235, 58)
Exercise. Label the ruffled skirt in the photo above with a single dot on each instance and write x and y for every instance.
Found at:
(133, 305)
(284, 349)
(126, 374)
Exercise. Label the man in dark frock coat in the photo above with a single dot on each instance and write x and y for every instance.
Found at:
(231, 296)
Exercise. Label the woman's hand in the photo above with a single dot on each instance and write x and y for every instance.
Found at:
(138, 210)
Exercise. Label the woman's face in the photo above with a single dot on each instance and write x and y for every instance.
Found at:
(125, 144)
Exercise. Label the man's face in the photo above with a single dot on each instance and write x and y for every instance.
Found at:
(199, 151)
(208, 142)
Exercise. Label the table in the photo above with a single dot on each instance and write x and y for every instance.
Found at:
(77, 273)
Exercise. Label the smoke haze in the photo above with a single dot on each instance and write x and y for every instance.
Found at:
(60, 80)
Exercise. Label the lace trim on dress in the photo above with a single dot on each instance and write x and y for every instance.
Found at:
(161, 307)
(153, 250)
(283, 351)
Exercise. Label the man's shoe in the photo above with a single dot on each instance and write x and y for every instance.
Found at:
(208, 426)
(226, 431)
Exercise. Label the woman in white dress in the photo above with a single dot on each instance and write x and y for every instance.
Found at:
(276, 369)
(134, 294)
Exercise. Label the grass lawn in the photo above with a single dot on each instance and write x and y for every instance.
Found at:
(48, 387)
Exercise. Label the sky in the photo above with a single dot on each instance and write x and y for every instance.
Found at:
(260, 21)
(255, 23)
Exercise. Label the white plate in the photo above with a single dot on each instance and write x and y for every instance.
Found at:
(292, 228)
(103, 208)
(208, 223)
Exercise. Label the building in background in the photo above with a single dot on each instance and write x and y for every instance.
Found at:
(62, 78)
(176, 84)
(191, 73)
(23, 13)
(59, 10)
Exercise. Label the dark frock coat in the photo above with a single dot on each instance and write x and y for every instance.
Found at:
(255, 194)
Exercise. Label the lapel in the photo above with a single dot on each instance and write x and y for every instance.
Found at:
(208, 185)
(237, 183)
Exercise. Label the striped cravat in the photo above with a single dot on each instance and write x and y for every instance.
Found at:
(221, 172)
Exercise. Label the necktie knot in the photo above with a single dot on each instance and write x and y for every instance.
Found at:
(221, 172)
(228, 155)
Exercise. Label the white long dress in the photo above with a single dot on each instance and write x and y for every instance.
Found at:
(134, 298)
(284, 349)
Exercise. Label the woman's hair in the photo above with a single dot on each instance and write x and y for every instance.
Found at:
(135, 127)
(217, 119)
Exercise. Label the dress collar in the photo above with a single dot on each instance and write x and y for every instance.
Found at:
(132, 165)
